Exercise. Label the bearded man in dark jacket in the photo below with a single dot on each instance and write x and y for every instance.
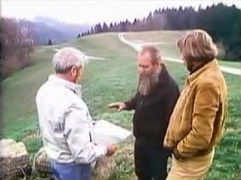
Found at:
(153, 103)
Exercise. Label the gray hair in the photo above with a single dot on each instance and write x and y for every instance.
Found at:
(68, 57)
(154, 53)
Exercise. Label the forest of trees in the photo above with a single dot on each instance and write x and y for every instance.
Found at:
(16, 46)
(18, 37)
(222, 22)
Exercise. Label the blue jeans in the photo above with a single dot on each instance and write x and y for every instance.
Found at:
(71, 171)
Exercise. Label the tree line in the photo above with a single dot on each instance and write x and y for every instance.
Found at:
(16, 46)
(222, 22)
(19, 37)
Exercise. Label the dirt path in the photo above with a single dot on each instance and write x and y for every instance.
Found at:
(137, 47)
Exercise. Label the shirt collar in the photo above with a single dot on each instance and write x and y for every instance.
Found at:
(193, 76)
(76, 88)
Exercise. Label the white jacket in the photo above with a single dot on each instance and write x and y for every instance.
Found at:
(65, 123)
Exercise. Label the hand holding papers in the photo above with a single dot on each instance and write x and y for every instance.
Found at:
(106, 133)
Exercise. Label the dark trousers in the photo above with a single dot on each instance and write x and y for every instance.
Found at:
(150, 161)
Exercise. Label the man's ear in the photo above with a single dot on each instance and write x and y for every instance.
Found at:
(73, 70)
(155, 63)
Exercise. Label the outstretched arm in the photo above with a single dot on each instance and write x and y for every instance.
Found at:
(132, 103)
(77, 133)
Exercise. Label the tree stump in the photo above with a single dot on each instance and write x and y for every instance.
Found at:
(14, 160)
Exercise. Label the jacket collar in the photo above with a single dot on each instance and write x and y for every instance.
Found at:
(76, 88)
(163, 76)
(193, 76)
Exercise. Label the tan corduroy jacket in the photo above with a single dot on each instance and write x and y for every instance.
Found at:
(197, 121)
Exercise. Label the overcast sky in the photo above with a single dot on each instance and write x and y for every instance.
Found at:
(90, 11)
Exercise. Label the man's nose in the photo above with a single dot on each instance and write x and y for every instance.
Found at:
(141, 70)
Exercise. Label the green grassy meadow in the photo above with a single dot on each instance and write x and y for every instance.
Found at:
(110, 80)
(169, 39)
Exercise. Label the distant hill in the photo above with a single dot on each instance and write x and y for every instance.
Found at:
(43, 28)
(18, 38)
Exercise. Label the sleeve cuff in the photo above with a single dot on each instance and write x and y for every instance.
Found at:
(127, 105)
(102, 150)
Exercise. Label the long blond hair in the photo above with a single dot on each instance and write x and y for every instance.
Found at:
(197, 45)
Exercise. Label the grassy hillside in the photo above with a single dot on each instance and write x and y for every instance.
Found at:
(113, 79)
(168, 46)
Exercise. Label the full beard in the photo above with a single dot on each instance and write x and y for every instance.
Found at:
(147, 83)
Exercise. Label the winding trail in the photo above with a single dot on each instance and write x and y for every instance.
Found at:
(138, 46)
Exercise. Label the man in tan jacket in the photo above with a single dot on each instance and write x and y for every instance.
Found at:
(197, 121)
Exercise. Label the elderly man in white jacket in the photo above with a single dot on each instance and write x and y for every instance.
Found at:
(65, 121)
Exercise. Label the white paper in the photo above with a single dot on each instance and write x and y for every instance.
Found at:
(105, 133)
